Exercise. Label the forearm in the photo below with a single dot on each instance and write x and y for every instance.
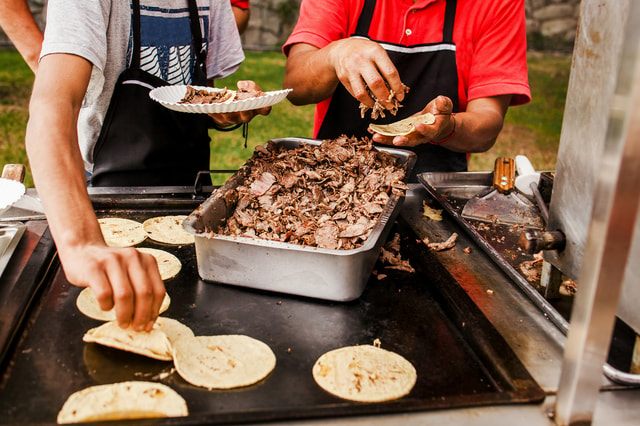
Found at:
(54, 155)
(310, 74)
(475, 131)
(58, 174)
(17, 22)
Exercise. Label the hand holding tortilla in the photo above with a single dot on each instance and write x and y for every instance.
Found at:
(435, 125)
(88, 305)
(402, 127)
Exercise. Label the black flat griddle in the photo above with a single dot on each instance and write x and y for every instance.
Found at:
(426, 317)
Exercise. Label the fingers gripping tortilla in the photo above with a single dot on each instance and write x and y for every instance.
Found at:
(223, 362)
(119, 232)
(403, 127)
(168, 230)
(364, 373)
(153, 344)
(124, 400)
(88, 305)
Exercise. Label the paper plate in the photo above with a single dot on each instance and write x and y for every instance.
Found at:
(170, 96)
(10, 192)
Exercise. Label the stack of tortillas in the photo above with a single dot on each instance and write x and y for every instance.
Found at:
(212, 362)
(364, 373)
(124, 400)
(403, 127)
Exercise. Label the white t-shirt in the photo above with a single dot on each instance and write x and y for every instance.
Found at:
(100, 31)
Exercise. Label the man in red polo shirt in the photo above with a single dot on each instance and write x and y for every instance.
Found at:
(463, 60)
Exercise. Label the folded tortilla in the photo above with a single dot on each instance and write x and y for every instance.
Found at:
(403, 127)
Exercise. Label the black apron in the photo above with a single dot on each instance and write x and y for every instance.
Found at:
(428, 69)
(142, 143)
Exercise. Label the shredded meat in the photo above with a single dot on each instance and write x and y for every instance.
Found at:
(378, 108)
(446, 245)
(328, 196)
(195, 96)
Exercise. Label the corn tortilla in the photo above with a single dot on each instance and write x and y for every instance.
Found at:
(364, 373)
(174, 329)
(123, 400)
(403, 127)
(223, 362)
(168, 264)
(153, 344)
(168, 230)
(120, 232)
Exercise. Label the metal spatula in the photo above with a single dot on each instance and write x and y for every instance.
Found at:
(500, 204)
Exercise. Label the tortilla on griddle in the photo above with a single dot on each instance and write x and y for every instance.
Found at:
(88, 305)
(119, 232)
(153, 344)
(403, 127)
(364, 373)
(123, 400)
(168, 230)
(174, 329)
(223, 362)
(168, 264)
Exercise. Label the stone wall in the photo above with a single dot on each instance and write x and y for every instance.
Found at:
(551, 24)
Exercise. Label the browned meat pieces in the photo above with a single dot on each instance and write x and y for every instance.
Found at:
(328, 196)
(195, 96)
(378, 109)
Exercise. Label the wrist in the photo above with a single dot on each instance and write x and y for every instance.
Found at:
(449, 136)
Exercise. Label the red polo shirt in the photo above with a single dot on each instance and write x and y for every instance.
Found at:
(242, 4)
(490, 38)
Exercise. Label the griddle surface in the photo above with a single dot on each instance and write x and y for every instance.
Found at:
(426, 317)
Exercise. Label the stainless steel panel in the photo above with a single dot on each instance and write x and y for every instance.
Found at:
(594, 71)
(609, 235)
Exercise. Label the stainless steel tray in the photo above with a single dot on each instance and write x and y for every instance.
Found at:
(10, 234)
(338, 275)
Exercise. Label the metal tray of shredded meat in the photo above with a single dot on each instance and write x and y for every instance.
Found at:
(330, 274)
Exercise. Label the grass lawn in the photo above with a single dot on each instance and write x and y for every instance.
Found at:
(532, 129)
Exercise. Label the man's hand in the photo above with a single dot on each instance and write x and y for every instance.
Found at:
(442, 108)
(314, 73)
(122, 277)
(474, 130)
(231, 118)
(359, 64)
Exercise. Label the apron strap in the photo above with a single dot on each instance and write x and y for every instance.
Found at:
(449, 19)
(196, 33)
(135, 59)
(364, 21)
